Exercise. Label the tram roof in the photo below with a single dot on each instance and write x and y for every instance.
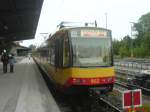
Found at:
(19, 19)
(70, 28)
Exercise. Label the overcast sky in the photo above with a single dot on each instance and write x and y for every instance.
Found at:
(119, 15)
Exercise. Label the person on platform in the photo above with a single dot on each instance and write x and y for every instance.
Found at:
(5, 60)
(11, 62)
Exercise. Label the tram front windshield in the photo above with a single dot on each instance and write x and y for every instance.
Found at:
(90, 52)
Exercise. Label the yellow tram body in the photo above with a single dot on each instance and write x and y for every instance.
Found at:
(62, 76)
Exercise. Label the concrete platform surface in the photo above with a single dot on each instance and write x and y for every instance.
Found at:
(25, 90)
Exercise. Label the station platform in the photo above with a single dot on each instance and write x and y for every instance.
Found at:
(25, 90)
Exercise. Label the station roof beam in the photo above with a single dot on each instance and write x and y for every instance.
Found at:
(19, 18)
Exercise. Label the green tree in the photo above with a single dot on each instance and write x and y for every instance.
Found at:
(116, 46)
(123, 51)
(142, 42)
(140, 46)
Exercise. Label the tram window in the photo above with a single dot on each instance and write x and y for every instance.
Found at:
(50, 55)
(66, 52)
(60, 51)
(57, 53)
(52, 59)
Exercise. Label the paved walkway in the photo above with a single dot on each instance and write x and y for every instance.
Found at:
(25, 90)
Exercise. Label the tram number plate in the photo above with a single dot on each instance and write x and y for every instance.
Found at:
(94, 81)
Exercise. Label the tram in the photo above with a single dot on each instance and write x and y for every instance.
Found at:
(78, 59)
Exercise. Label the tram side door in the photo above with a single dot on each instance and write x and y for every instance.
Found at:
(62, 57)
(58, 58)
(58, 47)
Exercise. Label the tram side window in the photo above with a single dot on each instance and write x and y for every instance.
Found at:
(52, 54)
(66, 56)
(49, 56)
(57, 53)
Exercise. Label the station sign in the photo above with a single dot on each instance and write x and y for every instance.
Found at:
(132, 98)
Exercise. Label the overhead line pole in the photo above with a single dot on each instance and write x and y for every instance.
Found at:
(106, 19)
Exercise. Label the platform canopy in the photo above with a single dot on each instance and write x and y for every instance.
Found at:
(19, 19)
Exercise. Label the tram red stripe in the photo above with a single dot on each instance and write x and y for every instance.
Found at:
(91, 81)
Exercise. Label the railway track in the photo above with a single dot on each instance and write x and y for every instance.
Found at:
(122, 85)
(132, 72)
(107, 103)
(114, 108)
(145, 91)
(132, 68)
